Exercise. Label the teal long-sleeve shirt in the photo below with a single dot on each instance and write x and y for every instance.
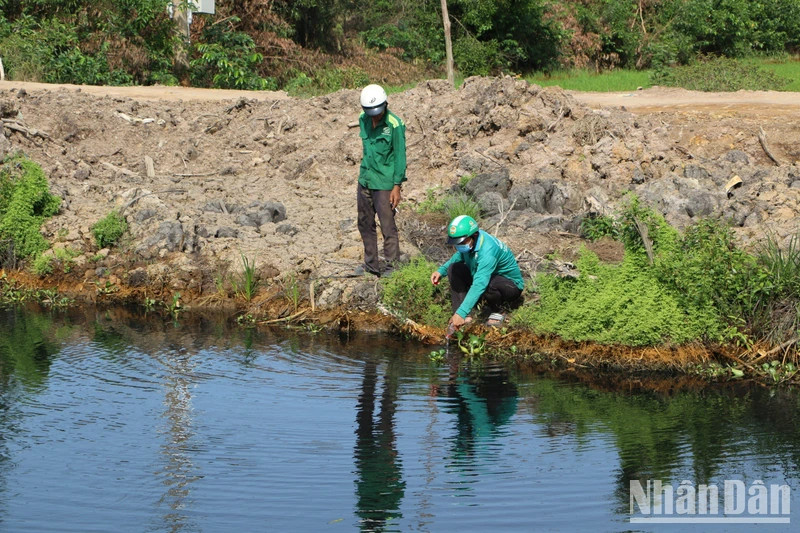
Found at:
(383, 161)
(489, 257)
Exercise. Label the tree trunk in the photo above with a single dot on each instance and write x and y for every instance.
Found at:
(448, 44)
(181, 62)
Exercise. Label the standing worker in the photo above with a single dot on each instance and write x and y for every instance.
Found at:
(383, 170)
(482, 267)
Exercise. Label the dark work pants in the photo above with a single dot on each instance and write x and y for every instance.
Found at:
(371, 202)
(500, 290)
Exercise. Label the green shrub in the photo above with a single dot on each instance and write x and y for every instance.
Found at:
(710, 271)
(228, 60)
(408, 291)
(476, 58)
(719, 74)
(597, 227)
(43, 265)
(25, 202)
(108, 230)
(622, 304)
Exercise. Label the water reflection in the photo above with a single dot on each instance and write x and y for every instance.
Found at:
(179, 471)
(484, 401)
(422, 435)
(26, 348)
(379, 484)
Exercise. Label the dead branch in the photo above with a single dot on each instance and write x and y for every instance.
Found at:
(13, 125)
(762, 138)
(643, 230)
(201, 175)
(284, 319)
(121, 170)
(562, 112)
(503, 214)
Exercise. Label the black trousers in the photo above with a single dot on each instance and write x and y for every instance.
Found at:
(500, 291)
(371, 202)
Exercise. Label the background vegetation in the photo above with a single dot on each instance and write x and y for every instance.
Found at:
(313, 46)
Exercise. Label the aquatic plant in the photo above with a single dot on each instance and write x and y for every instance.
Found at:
(471, 344)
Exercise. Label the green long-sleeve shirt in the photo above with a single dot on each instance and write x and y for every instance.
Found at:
(489, 257)
(383, 163)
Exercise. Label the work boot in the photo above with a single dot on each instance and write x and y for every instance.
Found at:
(364, 269)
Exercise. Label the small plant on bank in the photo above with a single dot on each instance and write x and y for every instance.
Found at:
(66, 256)
(408, 291)
(175, 307)
(42, 265)
(432, 203)
(108, 230)
(291, 288)
(106, 288)
(246, 284)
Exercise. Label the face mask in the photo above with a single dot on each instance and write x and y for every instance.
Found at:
(463, 248)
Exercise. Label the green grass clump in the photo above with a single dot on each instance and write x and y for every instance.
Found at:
(108, 230)
(25, 202)
(587, 80)
(452, 204)
(461, 203)
(246, 283)
(409, 292)
(720, 74)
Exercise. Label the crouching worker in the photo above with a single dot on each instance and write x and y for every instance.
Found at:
(482, 268)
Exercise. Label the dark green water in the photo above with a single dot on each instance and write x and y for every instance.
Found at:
(113, 422)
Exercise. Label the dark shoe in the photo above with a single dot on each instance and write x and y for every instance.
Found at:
(364, 269)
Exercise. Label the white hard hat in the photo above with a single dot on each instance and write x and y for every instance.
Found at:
(373, 100)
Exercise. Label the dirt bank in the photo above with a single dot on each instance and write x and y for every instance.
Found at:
(206, 178)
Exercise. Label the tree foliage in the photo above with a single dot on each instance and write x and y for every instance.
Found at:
(258, 44)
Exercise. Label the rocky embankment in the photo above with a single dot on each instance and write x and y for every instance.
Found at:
(204, 183)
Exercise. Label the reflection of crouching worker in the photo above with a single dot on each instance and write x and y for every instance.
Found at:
(483, 267)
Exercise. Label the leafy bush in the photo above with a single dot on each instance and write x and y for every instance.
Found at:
(43, 265)
(25, 202)
(409, 292)
(719, 74)
(622, 304)
(476, 58)
(710, 271)
(228, 60)
(74, 66)
(597, 227)
(108, 230)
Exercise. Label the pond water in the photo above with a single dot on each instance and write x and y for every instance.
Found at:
(115, 422)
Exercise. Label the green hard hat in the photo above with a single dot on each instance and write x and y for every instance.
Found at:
(460, 228)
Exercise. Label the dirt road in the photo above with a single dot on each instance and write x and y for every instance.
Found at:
(645, 101)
